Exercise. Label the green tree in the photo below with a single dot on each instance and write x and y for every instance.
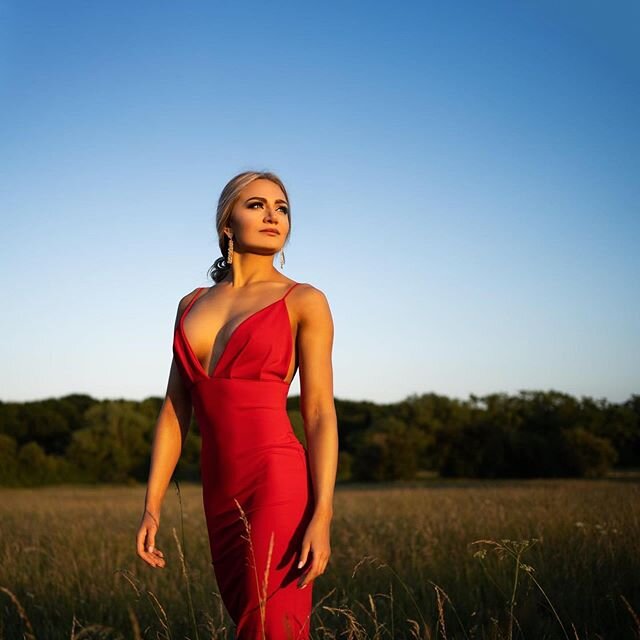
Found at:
(587, 454)
(8, 461)
(113, 446)
(388, 450)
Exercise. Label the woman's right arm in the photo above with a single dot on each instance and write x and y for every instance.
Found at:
(170, 432)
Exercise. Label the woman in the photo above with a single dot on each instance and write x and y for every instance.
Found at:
(268, 502)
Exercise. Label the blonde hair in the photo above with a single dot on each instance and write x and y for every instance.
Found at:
(228, 198)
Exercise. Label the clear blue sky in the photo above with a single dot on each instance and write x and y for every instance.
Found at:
(463, 180)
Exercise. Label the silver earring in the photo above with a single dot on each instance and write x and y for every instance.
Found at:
(281, 258)
(230, 251)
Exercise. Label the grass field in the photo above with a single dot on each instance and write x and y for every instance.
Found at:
(454, 559)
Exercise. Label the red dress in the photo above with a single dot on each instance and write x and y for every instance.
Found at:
(251, 455)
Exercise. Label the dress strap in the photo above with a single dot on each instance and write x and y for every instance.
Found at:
(194, 297)
(289, 289)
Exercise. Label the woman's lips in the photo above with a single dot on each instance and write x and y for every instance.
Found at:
(271, 233)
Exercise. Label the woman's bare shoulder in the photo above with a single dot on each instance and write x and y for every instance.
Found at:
(186, 299)
(311, 302)
(184, 302)
(310, 292)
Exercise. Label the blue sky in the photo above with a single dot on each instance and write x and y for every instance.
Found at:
(463, 185)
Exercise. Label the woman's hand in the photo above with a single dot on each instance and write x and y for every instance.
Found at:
(146, 539)
(316, 540)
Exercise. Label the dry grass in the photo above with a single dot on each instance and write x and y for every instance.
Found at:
(495, 560)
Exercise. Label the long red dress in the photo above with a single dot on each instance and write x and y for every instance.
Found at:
(251, 455)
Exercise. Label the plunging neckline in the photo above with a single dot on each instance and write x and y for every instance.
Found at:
(199, 365)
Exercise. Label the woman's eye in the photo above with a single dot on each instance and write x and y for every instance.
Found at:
(286, 209)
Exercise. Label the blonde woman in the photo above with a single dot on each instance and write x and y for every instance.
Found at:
(237, 346)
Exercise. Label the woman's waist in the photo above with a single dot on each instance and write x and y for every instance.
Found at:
(239, 394)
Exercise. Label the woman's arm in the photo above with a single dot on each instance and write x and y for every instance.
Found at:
(170, 432)
(315, 343)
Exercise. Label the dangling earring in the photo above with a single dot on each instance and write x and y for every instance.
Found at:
(281, 258)
(230, 251)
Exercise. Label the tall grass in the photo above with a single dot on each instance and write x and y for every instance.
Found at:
(473, 560)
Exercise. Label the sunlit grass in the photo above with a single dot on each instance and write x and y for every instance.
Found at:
(459, 559)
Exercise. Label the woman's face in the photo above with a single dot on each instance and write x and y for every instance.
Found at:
(261, 206)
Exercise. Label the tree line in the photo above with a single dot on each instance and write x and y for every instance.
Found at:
(79, 439)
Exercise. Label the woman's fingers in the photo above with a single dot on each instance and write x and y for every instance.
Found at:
(151, 539)
(145, 543)
(309, 575)
(158, 558)
(316, 569)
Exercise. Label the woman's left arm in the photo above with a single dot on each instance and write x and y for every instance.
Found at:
(315, 344)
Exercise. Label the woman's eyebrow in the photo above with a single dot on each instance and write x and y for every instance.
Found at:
(263, 199)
